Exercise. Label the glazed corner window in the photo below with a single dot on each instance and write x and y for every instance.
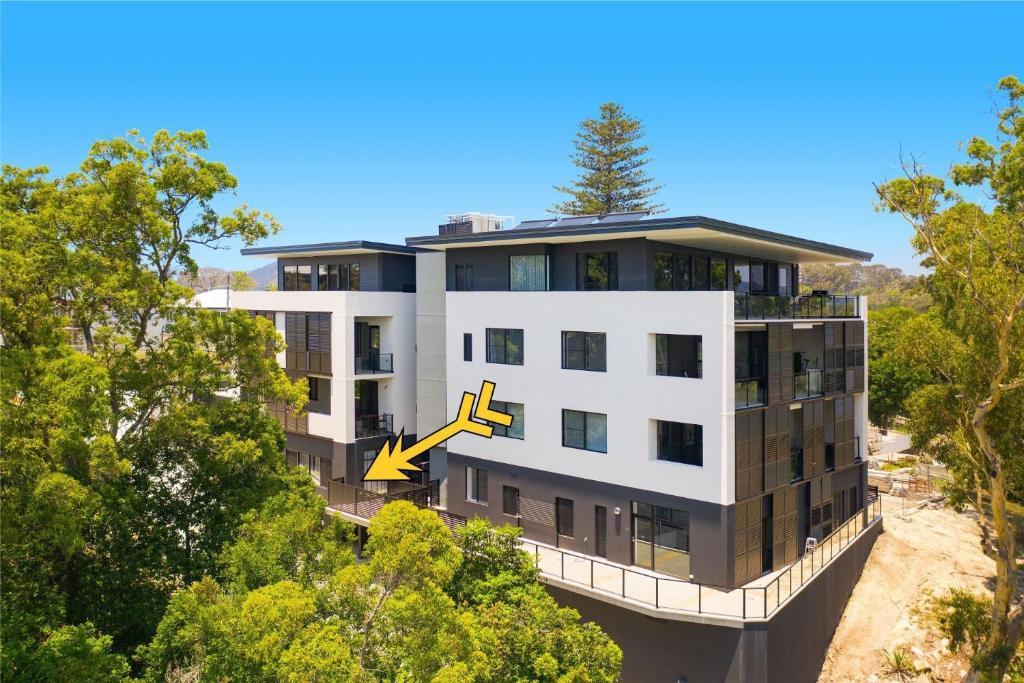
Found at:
(505, 346)
(476, 485)
(588, 431)
(510, 500)
(597, 271)
(338, 277)
(671, 271)
(528, 273)
(516, 430)
(298, 278)
(584, 351)
(463, 277)
(678, 355)
(680, 442)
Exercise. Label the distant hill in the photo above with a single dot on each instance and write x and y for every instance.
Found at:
(884, 286)
(264, 275)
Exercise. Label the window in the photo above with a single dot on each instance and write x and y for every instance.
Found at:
(310, 463)
(319, 395)
(314, 388)
(463, 277)
(467, 347)
(505, 346)
(597, 271)
(517, 429)
(338, 277)
(588, 431)
(671, 271)
(528, 273)
(681, 442)
(678, 355)
(751, 355)
(718, 274)
(757, 271)
(378, 486)
(564, 517)
(298, 278)
(661, 539)
(701, 274)
(476, 485)
(784, 280)
(510, 500)
(584, 351)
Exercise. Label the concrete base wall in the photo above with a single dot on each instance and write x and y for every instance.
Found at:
(789, 648)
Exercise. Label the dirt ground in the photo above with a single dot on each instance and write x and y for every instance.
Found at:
(920, 553)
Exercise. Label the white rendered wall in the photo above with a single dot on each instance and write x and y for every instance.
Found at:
(395, 312)
(629, 392)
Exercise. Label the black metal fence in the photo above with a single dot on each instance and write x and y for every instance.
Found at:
(769, 307)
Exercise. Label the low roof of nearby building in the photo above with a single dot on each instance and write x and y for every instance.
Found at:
(213, 298)
(329, 249)
(695, 231)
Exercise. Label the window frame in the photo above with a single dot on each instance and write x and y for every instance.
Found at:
(467, 347)
(611, 268)
(508, 492)
(493, 347)
(512, 270)
(584, 431)
(562, 504)
(506, 432)
(463, 277)
(697, 360)
(476, 481)
(586, 351)
(664, 432)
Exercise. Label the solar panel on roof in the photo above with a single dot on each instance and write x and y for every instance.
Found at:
(622, 217)
(576, 220)
(534, 224)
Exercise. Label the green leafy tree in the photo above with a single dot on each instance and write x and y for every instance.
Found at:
(78, 653)
(892, 380)
(614, 177)
(976, 256)
(121, 474)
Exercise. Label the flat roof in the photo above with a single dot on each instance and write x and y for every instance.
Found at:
(696, 231)
(330, 249)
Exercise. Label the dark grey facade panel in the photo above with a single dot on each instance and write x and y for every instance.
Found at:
(398, 273)
(377, 272)
(322, 448)
(709, 523)
(490, 264)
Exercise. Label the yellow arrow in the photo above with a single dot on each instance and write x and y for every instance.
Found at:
(390, 462)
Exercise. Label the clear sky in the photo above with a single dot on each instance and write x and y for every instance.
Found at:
(373, 121)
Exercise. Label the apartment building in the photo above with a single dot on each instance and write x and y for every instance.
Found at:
(677, 406)
(347, 312)
(686, 425)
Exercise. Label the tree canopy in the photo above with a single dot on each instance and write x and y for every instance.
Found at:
(614, 177)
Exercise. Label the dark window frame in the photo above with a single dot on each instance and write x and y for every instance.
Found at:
(292, 275)
(476, 485)
(667, 368)
(677, 270)
(589, 351)
(583, 431)
(510, 500)
(498, 352)
(547, 273)
(588, 281)
(680, 442)
(463, 277)
(565, 525)
(518, 425)
(467, 346)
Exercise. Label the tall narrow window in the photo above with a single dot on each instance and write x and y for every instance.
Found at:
(588, 431)
(584, 351)
(597, 271)
(671, 271)
(701, 273)
(680, 442)
(504, 346)
(564, 517)
(298, 278)
(476, 485)
(516, 430)
(719, 280)
(463, 277)
(528, 273)
(678, 355)
(467, 347)
(510, 500)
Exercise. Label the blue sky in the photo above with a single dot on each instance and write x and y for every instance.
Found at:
(373, 121)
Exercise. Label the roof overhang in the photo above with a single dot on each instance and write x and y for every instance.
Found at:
(694, 231)
(330, 249)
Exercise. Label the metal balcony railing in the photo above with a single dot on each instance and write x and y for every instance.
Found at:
(751, 392)
(773, 307)
(687, 597)
(374, 425)
(372, 363)
(809, 383)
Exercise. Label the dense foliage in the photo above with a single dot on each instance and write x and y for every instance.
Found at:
(614, 178)
(150, 526)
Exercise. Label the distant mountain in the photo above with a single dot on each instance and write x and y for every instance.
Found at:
(264, 275)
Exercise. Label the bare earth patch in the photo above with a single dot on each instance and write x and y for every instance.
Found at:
(920, 554)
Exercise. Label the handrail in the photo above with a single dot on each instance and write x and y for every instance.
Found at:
(374, 362)
(374, 425)
(688, 597)
(751, 391)
(771, 306)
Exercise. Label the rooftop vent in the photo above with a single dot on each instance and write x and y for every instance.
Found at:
(472, 221)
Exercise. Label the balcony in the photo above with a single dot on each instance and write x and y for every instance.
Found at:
(374, 363)
(751, 392)
(772, 307)
(374, 425)
(808, 383)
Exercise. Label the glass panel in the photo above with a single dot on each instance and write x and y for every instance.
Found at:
(304, 281)
(528, 273)
(663, 272)
(564, 516)
(596, 356)
(643, 536)
(597, 432)
(514, 347)
(741, 276)
(573, 429)
(718, 274)
(701, 278)
(354, 282)
(682, 271)
(573, 350)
